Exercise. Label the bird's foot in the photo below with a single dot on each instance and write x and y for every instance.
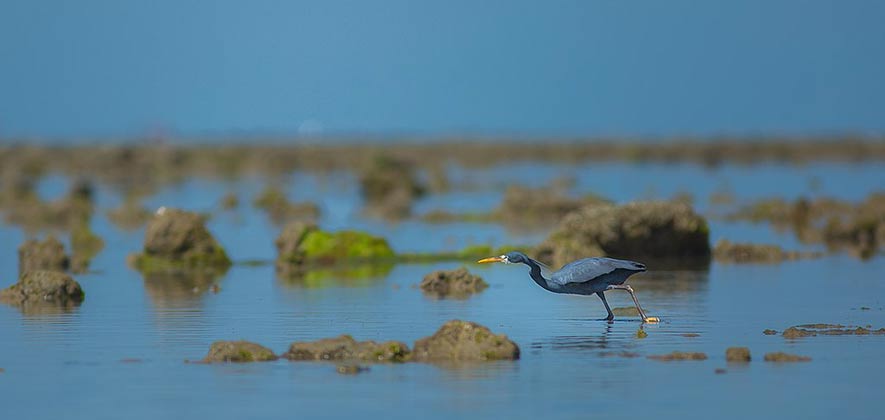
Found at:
(651, 320)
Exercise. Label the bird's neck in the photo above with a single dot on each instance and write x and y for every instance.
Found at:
(535, 273)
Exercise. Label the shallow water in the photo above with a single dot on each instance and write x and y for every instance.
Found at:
(122, 353)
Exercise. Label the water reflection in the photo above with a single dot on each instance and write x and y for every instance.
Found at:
(179, 289)
(354, 275)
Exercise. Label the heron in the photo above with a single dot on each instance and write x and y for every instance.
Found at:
(586, 276)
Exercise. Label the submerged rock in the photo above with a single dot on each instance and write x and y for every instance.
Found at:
(458, 283)
(679, 355)
(38, 286)
(656, 229)
(729, 252)
(301, 244)
(737, 354)
(344, 347)
(48, 254)
(178, 239)
(464, 341)
(785, 357)
(238, 351)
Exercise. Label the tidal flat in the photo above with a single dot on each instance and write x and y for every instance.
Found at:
(81, 354)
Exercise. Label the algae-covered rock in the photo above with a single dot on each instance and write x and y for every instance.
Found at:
(48, 254)
(302, 244)
(458, 283)
(464, 341)
(729, 252)
(785, 357)
(344, 347)
(38, 287)
(238, 351)
(178, 239)
(655, 229)
(679, 355)
(737, 354)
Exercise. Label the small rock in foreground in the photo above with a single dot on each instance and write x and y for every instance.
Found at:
(464, 341)
(43, 287)
(344, 347)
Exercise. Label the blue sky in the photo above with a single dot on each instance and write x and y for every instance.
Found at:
(494, 68)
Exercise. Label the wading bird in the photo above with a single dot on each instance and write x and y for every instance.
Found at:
(582, 277)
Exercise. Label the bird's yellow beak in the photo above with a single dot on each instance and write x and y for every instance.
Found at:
(490, 259)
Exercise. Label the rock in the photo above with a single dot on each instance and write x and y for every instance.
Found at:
(238, 351)
(452, 283)
(769, 332)
(524, 205)
(178, 239)
(389, 186)
(728, 252)
(785, 357)
(737, 354)
(679, 355)
(794, 332)
(281, 210)
(48, 254)
(640, 333)
(811, 330)
(656, 229)
(37, 286)
(464, 341)
(345, 348)
(129, 215)
(302, 244)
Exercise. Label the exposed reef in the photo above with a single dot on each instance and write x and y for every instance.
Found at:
(178, 240)
(726, 251)
(238, 351)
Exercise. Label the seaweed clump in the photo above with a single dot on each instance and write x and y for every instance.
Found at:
(654, 229)
(43, 287)
(48, 254)
(345, 348)
(178, 240)
(464, 341)
(239, 352)
(458, 283)
(730, 252)
(304, 244)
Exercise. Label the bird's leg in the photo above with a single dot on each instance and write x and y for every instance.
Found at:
(611, 316)
(635, 301)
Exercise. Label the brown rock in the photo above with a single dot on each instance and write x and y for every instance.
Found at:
(238, 351)
(737, 354)
(39, 286)
(458, 283)
(48, 254)
(679, 355)
(344, 347)
(464, 341)
(785, 357)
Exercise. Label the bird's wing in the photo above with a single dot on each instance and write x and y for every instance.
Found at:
(588, 269)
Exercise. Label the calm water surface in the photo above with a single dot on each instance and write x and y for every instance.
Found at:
(121, 354)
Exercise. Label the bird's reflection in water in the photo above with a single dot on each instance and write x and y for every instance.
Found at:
(615, 339)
